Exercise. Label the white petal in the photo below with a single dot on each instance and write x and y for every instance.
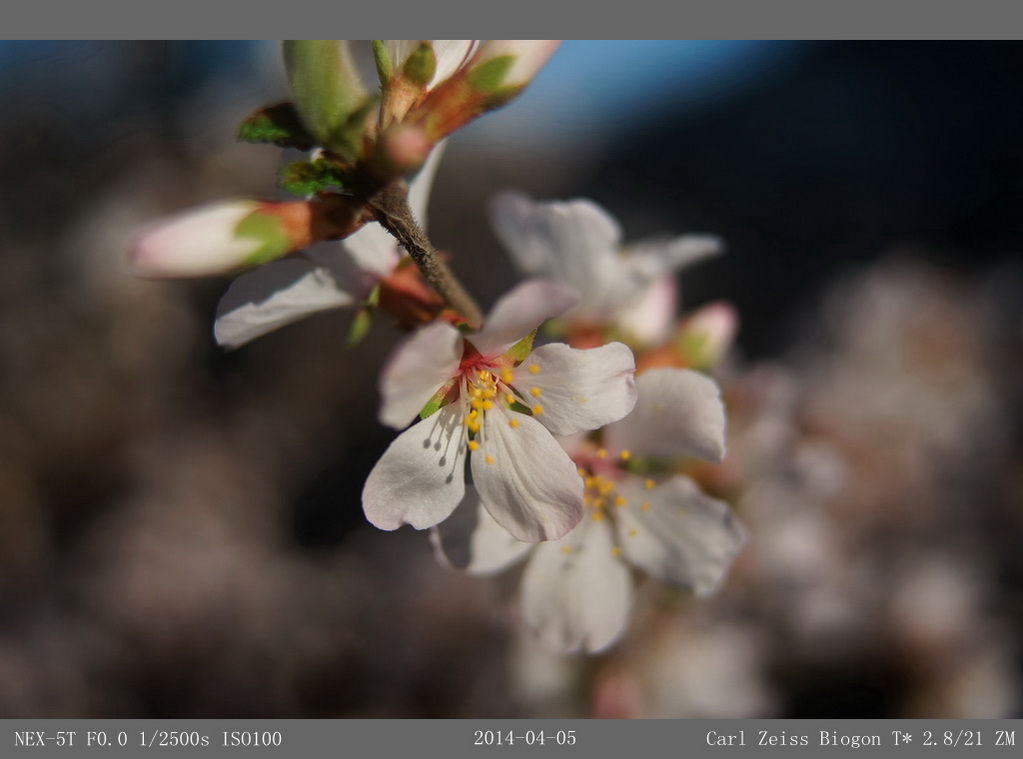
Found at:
(416, 370)
(579, 390)
(574, 242)
(683, 537)
(519, 312)
(652, 319)
(471, 540)
(579, 600)
(643, 264)
(420, 479)
(678, 413)
(277, 294)
(399, 51)
(531, 486)
(451, 56)
(422, 184)
(657, 257)
(371, 250)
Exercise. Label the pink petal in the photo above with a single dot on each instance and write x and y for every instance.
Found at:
(519, 312)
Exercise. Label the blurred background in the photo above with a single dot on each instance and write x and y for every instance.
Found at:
(180, 527)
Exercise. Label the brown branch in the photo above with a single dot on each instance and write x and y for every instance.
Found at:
(394, 214)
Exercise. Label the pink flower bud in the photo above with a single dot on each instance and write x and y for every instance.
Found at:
(530, 56)
(710, 330)
(195, 243)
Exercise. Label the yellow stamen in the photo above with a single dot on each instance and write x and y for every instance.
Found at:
(534, 369)
(490, 459)
(644, 506)
(598, 515)
(473, 445)
(535, 392)
(633, 532)
(582, 472)
(513, 423)
(626, 455)
(509, 398)
(474, 426)
(649, 484)
(506, 375)
(537, 409)
(601, 453)
(599, 503)
(620, 501)
(616, 551)
(487, 405)
(477, 404)
(566, 549)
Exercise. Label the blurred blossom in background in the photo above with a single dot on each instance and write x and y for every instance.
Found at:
(180, 527)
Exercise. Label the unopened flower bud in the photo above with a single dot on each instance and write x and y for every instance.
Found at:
(327, 92)
(199, 242)
(520, 60)
(496, 74)
(708, 334)
(406, 149)
(230, 235)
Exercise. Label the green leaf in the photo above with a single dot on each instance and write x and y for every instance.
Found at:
(373, 299)
(360, 326)
(277, 124)
(268, 231)
(346, 140)
(438, 400)
(385, 70)
(521, 349)
(695, 346)
(521, 408)
(421, 65)
(489, 75)
(304, 178)
(325, 86)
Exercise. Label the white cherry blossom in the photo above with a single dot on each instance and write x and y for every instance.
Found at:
(326, 276)
(578, 243)
(500, 409)
(577, 591)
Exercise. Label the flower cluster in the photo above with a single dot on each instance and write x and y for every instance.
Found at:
(642, 509)
(507, 447)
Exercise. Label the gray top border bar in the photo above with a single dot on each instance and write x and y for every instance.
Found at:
(706, 19)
